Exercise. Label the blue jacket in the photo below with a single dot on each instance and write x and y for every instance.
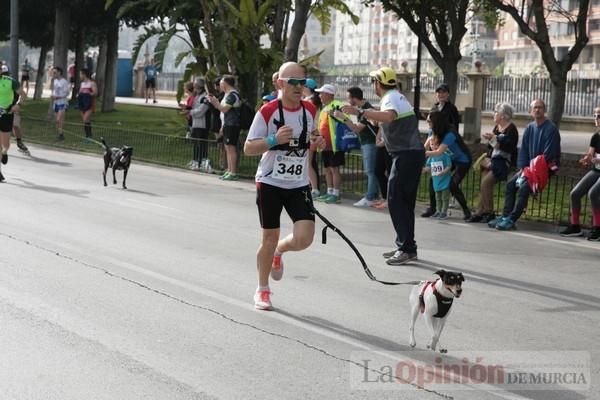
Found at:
(537, 140)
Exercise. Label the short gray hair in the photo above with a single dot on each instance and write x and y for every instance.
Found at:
(504, 109)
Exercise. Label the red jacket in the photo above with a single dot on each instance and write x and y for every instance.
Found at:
(538, 173)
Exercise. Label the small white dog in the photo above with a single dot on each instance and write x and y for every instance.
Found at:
(434, 299)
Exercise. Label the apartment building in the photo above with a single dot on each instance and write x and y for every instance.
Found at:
(352, 42)
(313, 41)
(522, 57)
(381, 39)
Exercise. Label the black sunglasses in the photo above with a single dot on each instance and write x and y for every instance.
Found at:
(596, 116)
(294, 81)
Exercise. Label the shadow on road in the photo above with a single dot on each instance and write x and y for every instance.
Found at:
(143, 192)
(51, 189)
(578, 301)
(45, 161)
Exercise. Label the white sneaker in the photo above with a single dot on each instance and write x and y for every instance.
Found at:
(262, 300)
(363, 203)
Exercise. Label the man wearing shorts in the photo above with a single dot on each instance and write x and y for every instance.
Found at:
(60, 91)
(332, 158)
(9, 103)
(230, 108)
(150, 72)
(282, 132)
(25, 70)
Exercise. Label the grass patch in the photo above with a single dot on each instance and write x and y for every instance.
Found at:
(125, 116)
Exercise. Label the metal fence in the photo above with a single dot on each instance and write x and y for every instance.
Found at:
(176, 151)
(581, 97)
(428, 85)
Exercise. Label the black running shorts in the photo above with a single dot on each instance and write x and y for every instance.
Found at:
(272, 199)
(231, 135)
(6, 123)
(331, 159)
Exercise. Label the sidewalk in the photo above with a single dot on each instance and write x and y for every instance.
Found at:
(574, 142)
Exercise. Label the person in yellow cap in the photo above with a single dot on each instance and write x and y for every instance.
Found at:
(401, 136)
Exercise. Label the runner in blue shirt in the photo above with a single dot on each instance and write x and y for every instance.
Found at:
(151, 73)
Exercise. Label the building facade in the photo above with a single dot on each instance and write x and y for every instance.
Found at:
(522, 56)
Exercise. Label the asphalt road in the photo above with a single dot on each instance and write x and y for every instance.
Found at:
(146, 293)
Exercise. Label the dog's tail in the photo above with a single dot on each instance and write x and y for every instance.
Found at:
(104, 144)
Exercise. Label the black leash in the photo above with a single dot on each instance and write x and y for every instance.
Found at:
(329, 225)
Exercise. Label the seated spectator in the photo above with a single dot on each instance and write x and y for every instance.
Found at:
(541, 137)
(590, 185)
(502, 151)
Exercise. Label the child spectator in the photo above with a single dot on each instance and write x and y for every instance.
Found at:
(440, 167)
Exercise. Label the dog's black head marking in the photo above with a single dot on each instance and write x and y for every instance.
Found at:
(452, 280)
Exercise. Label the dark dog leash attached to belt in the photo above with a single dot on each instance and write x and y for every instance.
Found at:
(329, 225)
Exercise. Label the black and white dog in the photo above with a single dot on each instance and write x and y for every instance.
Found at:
(434, 300)
(117, 159)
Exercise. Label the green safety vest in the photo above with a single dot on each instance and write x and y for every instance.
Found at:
(8, 87)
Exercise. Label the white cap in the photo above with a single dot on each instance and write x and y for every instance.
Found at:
(4, 68)
(326, 89)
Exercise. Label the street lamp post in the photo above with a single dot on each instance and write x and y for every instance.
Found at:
(14, 38)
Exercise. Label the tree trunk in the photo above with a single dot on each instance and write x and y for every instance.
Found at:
(79, 62)
(279, 24)
(41, 73)
(101, 67)
(110, 82)
(558, 92)
(298, 28)
(450, 70)
(61, 36)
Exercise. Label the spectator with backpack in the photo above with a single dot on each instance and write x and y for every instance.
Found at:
(445, 106)
(230, 108)
(448, 139)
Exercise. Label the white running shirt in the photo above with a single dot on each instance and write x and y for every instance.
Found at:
(263, 125)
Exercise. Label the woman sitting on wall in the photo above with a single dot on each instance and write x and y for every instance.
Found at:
(501, 154)
(589, 184)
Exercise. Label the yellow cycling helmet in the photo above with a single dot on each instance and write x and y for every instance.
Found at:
(385, 75)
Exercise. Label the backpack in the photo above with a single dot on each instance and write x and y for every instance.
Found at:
(246, 113)
(463, 146)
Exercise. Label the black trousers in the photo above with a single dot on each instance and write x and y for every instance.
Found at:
(200, 149)
(383, 165)
(402, 196)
